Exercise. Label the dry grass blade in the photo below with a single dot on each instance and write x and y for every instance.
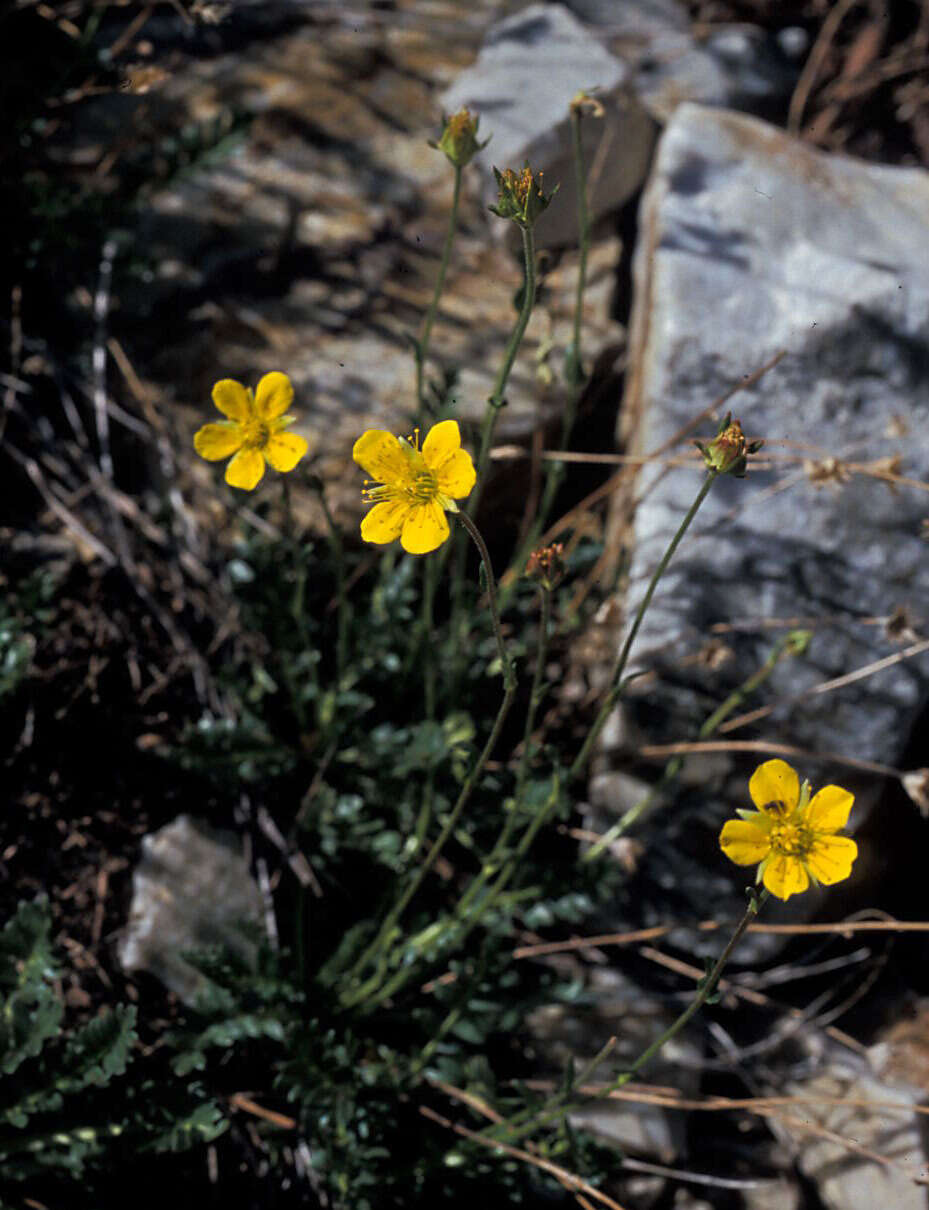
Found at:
(568, 1179)
(762, 745)
(838, 682)
(766, 1107)
(842, 928)
(814, 63)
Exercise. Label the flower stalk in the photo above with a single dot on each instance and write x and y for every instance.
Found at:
(368, 992)
(574, 365)
(497, 398)
(498, 859)
(421, 347)
(794, 643)
(614, 692)
(523, 1125)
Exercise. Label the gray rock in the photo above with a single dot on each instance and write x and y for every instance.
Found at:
(752, 243)
(781, 1194)
(528, 70)
(635, 18)
(574, 1034)
(191, 889)
(736, 66)
(846, 1180)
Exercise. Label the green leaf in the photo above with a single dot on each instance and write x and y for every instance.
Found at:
(99, 1051)
(31, 1011)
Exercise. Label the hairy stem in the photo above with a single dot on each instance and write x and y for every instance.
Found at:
(422, 345)
(614, 692)
(367, 992)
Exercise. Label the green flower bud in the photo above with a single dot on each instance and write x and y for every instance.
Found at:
(520, 196)
(459, 138)
(727, 453)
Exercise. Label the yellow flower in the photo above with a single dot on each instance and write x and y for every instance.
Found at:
(415, 487)
(253, 431)
(791, 836)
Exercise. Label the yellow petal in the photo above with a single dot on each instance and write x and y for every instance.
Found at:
(831, 858)
(385, 521)
(785, 876)
(442, 442)
(215, 441)
(457, 475)
(273, 395)
(245, 469)
(828, 810)
(424, 529)
(775, 787)
(284, 450)
(381, 454)
(743, 842)
(232, 399)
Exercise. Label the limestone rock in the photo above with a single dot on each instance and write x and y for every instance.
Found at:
(734, 66)
(844, 1179)
(752, 243)
(528, 70)
(191, 889)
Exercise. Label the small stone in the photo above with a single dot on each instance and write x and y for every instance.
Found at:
(191, 889)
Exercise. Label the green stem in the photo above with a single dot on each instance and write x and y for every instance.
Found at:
(498, 395)
(422, 345)
(786, 645)
(510, 863)
(538, 685)
(506, 1131)
(427, 656)
(338, 558)
(555, 470)
(509, 672)
(495, 402)
(427, 650)
(583, 223)
(493, 861)
(355, 995)
(615, 689)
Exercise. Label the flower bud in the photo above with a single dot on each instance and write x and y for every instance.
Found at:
(546, 565)
(583, 103)
(520, 195)
(459, 138)
(728, 452)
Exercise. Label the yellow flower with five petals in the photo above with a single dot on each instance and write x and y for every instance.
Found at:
(792, 836)
(413, 488)
(253, 430)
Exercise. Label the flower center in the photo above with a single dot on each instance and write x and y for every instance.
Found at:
(257, 435)
(791, 840)
(425, 486)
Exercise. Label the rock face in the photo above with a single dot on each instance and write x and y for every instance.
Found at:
(751, 243)
(529, 68)
(892, 1129)
(736, 66)
(190, 890)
